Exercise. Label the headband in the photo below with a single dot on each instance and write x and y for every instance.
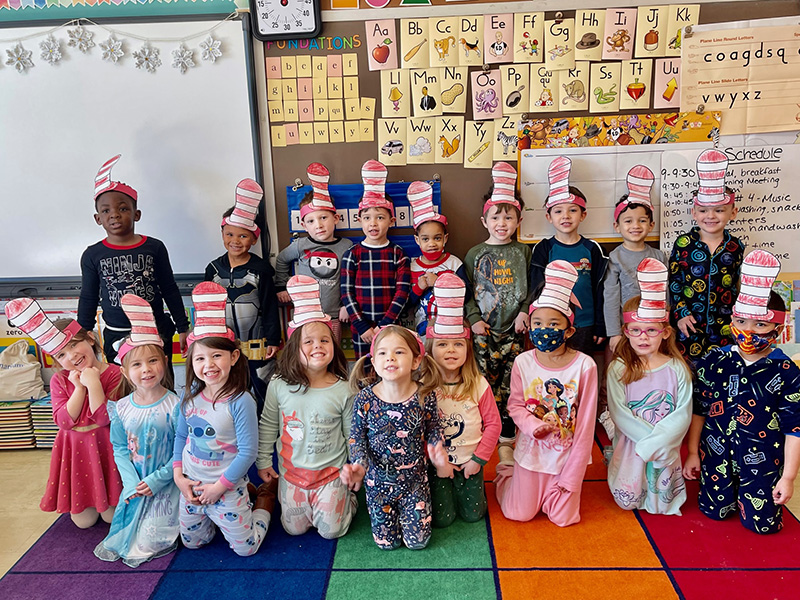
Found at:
(380, 329)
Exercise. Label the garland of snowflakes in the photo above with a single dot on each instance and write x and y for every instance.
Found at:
(147, 58)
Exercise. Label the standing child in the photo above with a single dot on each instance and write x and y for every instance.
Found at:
(320, 254)
(467, 410)
(216, 441)
(705, 262)
(649, 398)
(744, 440)
(552, 451)
(310, 407)
(145, 526)
(375, 274)
(394, 418)
(83, 479)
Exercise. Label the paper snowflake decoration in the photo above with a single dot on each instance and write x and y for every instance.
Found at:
(147, 58)
(19, 58)
(80, 38)
(112, 49)
(210, 47)
(182, 58)
(51, 50)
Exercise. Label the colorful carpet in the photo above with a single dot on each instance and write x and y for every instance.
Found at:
(611, 554)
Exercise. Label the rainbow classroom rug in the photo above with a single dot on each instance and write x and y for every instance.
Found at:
(611, 554)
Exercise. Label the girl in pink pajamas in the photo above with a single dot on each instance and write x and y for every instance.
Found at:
(552, 452)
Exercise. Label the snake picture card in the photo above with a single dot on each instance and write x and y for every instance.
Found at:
(651, 31)
(620, 33)
(426, 91)
(559, 43)
(395, 93)
(667, 83)
(486, 91)
(544, 89)
(528, 37)
(392, 150)
(505, 138)
(515, 81)
(636, 91)
(444, 44)
(470, 41)
(454, 89)
(449, 140)
(590, 27)
(604, 83)
(678, 17)
(573, 88)
(478, 138)
(421, 140)
(414, 42)
(498, 38)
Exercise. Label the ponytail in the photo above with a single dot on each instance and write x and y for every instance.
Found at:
(363, 374)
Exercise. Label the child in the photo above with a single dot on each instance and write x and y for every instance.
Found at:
(467, 409)
(393, 420)
(497, 270)
(431, 237)
(744, 440)
(252, 308)
(216, 441)
(552, 452)
(375, 274)
(310, 407)
(320, 254)
(145, 526)
(126, 262)
(705, 262)
(83, 479)
(649, 398)
(566, 210)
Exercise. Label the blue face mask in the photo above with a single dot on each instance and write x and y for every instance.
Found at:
(547, 339)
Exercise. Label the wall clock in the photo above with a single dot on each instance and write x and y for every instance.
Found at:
(285, 19)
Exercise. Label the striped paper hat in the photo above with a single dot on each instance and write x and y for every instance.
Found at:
(640, 181)
(143, 325)
(448, 294)
(420, 197)
(652, 276)
(558, 175)
(759, 271)
(103, 182)
(711, 168)
(559, 279)
(374, 175)
(304, 292)
(319, 176)
(504, 181)
(248, 198)
(209, 301)
(26, 314)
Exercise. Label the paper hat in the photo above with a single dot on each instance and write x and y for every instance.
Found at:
(652, 276)
(448, 294)
(420, 197)
(559, 279)
(209, 301)
(248, 197)
(304, 292)
(504, 180)
(759, 270)
(640, 181)
(318, 175)
(143, 325)
(711, 168)
(26, 314)
(374, 176)
(103, 182)
(558, 175)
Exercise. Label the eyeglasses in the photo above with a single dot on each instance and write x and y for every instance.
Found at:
(635, 332)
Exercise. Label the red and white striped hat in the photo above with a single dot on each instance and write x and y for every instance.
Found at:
(103, 182)
(245, 209)
(640, 181)
(374, 175)
(26, 314)
(559, 279)
(209, 301)
(319, 176)
(304, 292)
(143, 325)
(504, 181)
(759, 271)
(711, 168)
(448, 294)
(558, 175)
(652, 276)
(420, 197)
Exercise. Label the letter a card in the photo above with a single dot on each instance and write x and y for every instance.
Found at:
(381, 44)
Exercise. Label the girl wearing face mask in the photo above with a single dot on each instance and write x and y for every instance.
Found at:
(550, 458)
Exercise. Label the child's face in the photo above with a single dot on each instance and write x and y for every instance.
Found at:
(759, 327)
(237, 241)
(550, 317)
(320, 225)
(375, 223)
(431, 238)
(76, 356)
(116, 214)
(634, 225)
(566, 217)
(316, 346)
(712, 220)
(393, 359)
(145, 369)
(450, 354)
(500, 225)
(212, 365)
(645, 338)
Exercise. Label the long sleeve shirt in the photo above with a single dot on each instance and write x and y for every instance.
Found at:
(61, 389)
(621, 284)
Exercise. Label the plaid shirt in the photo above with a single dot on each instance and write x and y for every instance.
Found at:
(375, 285)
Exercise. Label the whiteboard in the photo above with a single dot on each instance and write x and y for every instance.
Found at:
(185, 141)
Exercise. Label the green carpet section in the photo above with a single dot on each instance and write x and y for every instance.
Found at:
(391, 585)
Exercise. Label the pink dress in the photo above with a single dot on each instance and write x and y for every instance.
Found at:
(83, 473)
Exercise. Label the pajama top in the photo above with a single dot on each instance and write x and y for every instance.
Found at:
(470, 428)
(421, 301)
(621, 284)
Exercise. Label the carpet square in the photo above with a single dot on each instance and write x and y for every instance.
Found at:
(392, 585)
(587, 585)
(275, 585)
(131, 585)
(738, 585)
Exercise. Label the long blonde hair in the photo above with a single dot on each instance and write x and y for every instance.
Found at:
(471, 376)
(125, 386)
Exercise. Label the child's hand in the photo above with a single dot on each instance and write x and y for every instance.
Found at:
(343, 316)
(210, 492)
(90, 376)
(75, 378)
(142, 489)
(613, 341)
(271, 351)
(470, 469)
(182, 337)
(368, 335)
(598, 340)
(686, 324)
(422, 282)
(352, 475)
(691, 468)
(185, 485)
(480, 328)
(431, 278)
(783, 491)
(522, 322)
(267, 474)
(544, 430)
(440, 459)
(284, 297)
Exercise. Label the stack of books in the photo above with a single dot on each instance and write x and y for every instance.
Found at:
(16, 426)
(44, 429)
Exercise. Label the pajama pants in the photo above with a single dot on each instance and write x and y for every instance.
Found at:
(495, 354)
(458, 496)
(523, 493)
(243, 528)
(399, 513)
(330, 508)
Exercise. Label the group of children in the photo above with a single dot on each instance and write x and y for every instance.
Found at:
(423, 409)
